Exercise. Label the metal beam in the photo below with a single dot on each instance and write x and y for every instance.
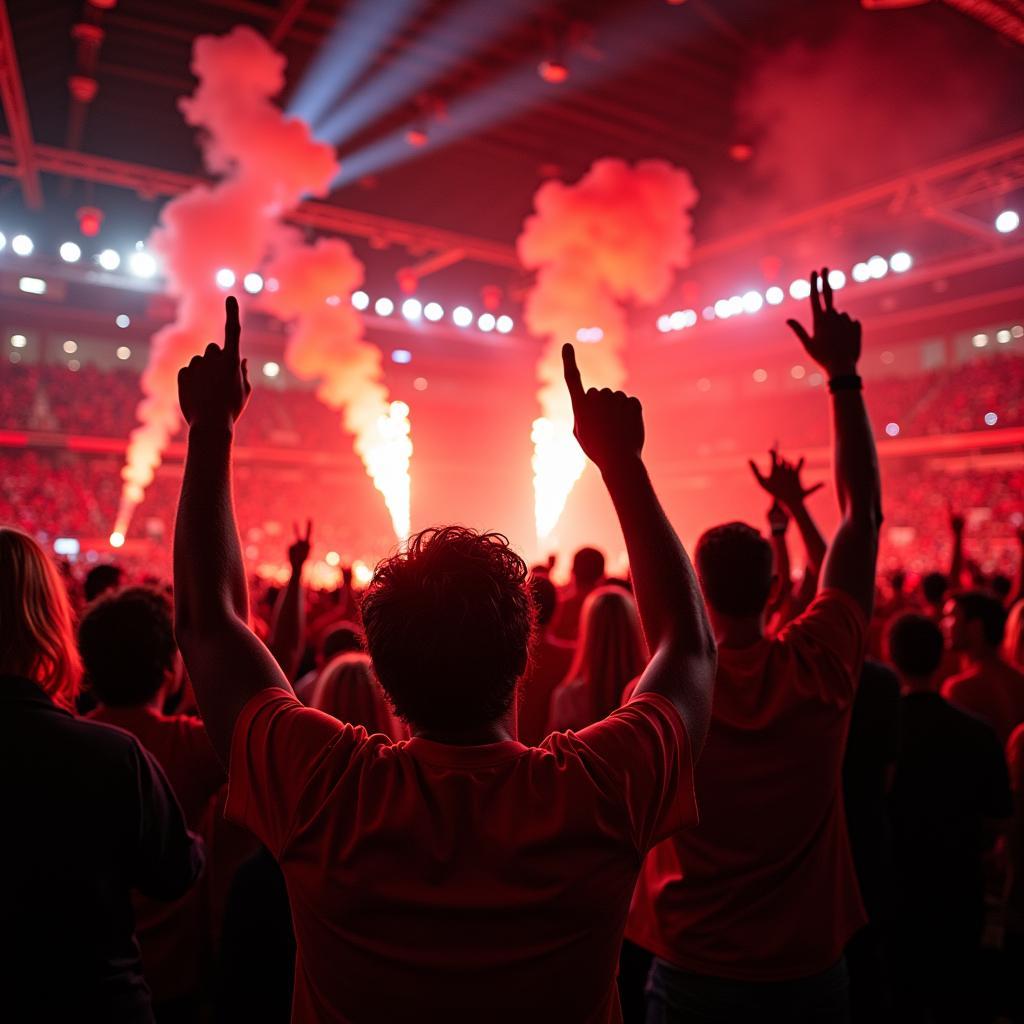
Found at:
(288, 16)
(152, 182)
(917, 190)
(12, 94)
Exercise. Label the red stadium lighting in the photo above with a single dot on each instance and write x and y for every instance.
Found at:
(90, 220)
(553, 71)
(416, 137)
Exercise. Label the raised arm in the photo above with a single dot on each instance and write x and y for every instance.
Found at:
(288, 629)
(783, 483)
(835, 344)
(778, 523)
(957, 525)
(226, 662)
(610, 429)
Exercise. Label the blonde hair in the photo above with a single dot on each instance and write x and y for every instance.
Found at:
(1013, 643)
(37, 634)
(611, 650)
(347, 689)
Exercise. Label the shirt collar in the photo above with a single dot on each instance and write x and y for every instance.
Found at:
(452, 755)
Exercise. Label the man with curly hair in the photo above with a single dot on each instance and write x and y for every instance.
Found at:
(459, 875)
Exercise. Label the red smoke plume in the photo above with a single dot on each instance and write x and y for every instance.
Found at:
(618, 235)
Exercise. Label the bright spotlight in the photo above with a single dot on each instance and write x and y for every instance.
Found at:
(383, 306)
(505, 324)
(722, 309)
(412, 309)
(71, 347)
(271, 369)
(837, 279)
(486, 321)
(462, 316)
(991, 419)
(70, 252)
(32, 285)
(676, 321)
(892, 429)
(800, 288)
(1007, 221)
(109, 259)
(332, 558)
(752, 301)
(123, 320)
(142, 263)
(225, 278)
(402, 356)
(664, 323)
(18, 341)
(360, 300)
(116, 539)
(979, 340)
(3, 240)
(774, 295)
(900, 262)
(878, 267)
(760, 376)
(252, 283)
(860, 273)
(433, 311)
(1003, 337)
(123, 352)
(22, 245)
(797, 372)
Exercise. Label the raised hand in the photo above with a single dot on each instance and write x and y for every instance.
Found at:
(214, 387)
(834, 343)
(609, 425)
(298, 551)
(783, 481)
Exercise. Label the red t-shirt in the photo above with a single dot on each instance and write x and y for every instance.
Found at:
(438, 882)
(764, 889)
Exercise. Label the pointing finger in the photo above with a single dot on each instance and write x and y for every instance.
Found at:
(815, 296)
(757, 473)
(573, 381)
(826, 290)
(232, 327)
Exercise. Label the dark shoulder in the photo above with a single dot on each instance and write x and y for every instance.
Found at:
(102, 744)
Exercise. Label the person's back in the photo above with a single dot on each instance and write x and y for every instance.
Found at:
(765, 889)
(749, 913)
(988, 685)
(950, 787)
(460, 874)
(126, 639)
(90, 817)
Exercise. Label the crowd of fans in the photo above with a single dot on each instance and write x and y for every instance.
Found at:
(712, 792)
(948, 400)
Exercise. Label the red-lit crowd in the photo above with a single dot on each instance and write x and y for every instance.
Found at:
(709, 791)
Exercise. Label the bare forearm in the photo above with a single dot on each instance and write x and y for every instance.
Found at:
(814, 542)
(783, 572)
(668, 596)
(286, 632)
(956, 562)
(858, 485)
(209, 575)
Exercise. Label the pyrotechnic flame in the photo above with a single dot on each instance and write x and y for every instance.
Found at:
(558, 462)
(616, 235)
(386, 450)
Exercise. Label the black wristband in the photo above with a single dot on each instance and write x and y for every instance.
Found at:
(777, 532)
(846, 382)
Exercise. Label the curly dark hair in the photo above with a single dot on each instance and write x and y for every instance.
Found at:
(449, 622)
(126, 640)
